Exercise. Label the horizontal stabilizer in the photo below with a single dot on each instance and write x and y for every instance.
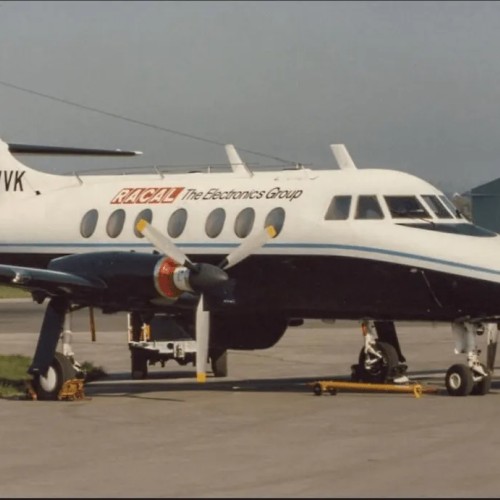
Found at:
(342, 156)
(58, 150)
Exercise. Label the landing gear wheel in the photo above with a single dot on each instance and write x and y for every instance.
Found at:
(381, 371)
(459, 380)
(139, 363)
(47, 387)
(484, 385)
(218, 361)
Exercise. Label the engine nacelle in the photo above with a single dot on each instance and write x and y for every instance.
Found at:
(135, 278)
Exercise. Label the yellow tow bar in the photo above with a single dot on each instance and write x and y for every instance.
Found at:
(333, 386)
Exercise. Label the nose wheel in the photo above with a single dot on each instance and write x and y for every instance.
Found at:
(474, 377)
(459, 380)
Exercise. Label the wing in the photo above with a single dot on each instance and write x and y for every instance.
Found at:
(53, 283)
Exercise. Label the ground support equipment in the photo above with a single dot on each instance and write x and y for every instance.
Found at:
(333, 386)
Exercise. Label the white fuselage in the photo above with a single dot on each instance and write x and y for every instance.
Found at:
(42, 214)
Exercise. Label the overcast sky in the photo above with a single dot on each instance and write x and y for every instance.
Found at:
(413, 86)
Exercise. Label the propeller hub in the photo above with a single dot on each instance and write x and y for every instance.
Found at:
(206, 277)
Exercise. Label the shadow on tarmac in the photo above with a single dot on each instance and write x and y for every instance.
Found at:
(120, 384)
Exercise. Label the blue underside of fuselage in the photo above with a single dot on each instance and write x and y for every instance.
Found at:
(337, 287)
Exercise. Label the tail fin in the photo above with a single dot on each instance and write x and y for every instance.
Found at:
(17, 179)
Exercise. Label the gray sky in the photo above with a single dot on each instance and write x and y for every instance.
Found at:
(413, 86)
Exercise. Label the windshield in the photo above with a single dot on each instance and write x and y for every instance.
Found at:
(406, 207)
(436, 205)
(449, 204)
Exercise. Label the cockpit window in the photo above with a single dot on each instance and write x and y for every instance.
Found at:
(368, 208)
(339, 208)
(436, 205)
(450, 206)
(406, 207)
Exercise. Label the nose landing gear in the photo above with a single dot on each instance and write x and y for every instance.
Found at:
(474, 377)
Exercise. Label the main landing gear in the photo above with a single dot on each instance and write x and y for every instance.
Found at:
(62, 368)
(473, 377)
(380, 360)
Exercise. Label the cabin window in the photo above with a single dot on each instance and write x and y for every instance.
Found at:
(145, 214)
(436, 205)
(275, 218)
(115, 223)
(368, 208)
(89, 223)
(339, 208)
(406, 207)
(177, 223)
(244, 222)
(215, 222)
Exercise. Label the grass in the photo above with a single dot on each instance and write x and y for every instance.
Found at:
(13, 376)
(9, 292)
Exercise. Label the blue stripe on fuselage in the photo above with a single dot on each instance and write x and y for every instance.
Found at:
(369, 250)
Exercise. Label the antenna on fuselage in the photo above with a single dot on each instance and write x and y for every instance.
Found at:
(237, 164)
(342, 156)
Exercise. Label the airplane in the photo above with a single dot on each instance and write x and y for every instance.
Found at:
(238, 256)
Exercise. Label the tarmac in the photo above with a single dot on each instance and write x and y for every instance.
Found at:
(260, 432)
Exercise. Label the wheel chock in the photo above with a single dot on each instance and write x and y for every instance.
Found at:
(30, 392)
(72, 390)
(333, 386)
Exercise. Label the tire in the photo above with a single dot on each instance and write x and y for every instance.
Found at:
(483, 386)
(317, 389)
(218, 361)
(381, 371)
(139, 364)
(61, 369)
(459, 380)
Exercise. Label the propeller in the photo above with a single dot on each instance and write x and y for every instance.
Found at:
(202, 278)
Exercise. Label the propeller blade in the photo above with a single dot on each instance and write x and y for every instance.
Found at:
(202, 339)
(52, 326)
(163, 244)
(247, 247)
